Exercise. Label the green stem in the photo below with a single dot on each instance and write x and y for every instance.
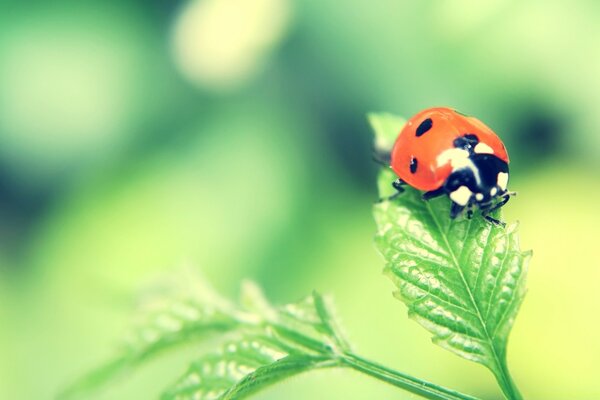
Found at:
(411, 384)
(509, 389)
(414, 385)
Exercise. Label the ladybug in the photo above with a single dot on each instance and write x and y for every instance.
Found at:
(444, 152)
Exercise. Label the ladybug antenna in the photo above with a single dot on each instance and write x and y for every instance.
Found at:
(382, 158)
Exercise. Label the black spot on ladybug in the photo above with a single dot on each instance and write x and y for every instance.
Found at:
(424, 127)
(466, 142)
(413, 165)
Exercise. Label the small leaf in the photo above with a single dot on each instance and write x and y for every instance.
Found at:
(240, 368)
(329, 322)
(266, 344)
(294, 338)
(181, 310)
(253, 300)
(170, 322)
(187, 309)
(386, 127)
(463, 280)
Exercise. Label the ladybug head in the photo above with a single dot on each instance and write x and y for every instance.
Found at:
(478, 179)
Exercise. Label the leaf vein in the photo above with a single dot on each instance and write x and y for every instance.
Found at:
(496, 280)
(486, 249)
(469, 291)
(429, 293)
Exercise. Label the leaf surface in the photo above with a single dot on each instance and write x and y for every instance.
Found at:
(463, 279)
(266, 343)
(295, 338)
(241, 368)
(180, 310)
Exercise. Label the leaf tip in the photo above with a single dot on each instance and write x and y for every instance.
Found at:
(385, 127)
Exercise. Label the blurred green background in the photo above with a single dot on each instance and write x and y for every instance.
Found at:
(230, 135)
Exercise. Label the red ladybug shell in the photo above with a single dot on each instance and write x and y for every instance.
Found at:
(421, 142)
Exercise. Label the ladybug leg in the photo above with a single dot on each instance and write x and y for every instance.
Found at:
(496, 206)
(455, 210)
(494, 221)
(470, 213)
(433, 193)
(381, 158)
(397, 184)
(486, 213)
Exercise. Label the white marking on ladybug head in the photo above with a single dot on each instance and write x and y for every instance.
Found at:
(458, 158)
(479, 196)
(482, 148)
(461, 196)
(502, 180)
(493, 191)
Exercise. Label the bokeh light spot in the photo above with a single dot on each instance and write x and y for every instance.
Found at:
(219, 44)
(66, 93)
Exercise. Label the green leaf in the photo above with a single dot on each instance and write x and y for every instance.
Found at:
(329, 323)
(463, 280)
(241, 368)
(386, 127)
(181, 310)
(179, 314)
(187, 309)
(266, 343)
(295, 338)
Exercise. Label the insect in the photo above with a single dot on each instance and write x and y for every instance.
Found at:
(444, 152)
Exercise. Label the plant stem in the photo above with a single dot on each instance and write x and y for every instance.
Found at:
(509, 389)
(409, 383)
(414, 385)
